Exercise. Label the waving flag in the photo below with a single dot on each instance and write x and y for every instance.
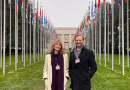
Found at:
(22, 9)
(9, 4)
(26, 12)
(37, 10)
(44, 19)
(89, 12)
(40, 11)
(95, 6)
(28, 3)
(98, 4)
(92, 9)
(119, 3)
(29, 16)
(125, 0)
(103, 1)
(42, 16)
(111, 5)
(107, 9)
(16, 6)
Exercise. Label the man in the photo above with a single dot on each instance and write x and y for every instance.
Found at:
(82, 65)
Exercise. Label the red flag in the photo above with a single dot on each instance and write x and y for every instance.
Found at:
(104, 1)
(125, 0)
(37, 10)
(16, 6)
(98, 4)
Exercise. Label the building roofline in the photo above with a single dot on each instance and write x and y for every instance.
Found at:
(66, 28)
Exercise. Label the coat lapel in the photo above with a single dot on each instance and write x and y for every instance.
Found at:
(83, 52)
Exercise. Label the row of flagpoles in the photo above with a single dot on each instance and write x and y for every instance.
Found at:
(92, 21)
(40, 24)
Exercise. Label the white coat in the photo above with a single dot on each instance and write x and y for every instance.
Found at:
(47, 71)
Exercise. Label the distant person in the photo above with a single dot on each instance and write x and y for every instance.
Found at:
(82, 65)
(55, 72)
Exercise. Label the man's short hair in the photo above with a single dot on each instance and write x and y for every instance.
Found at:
(79, 35)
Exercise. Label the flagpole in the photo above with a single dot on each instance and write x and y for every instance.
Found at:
(43, 43)
(41, 36)
(44, 39)
(122, 37)
(30, 34)
(127, 33)
(113, 36)
(38, 32)
(15, 37)
(95, 32)
(100, 39)
(17, 31)
(24, 31)
(34, 33)
(4, 37)
(108, 36)
(119, 33)
(1, 35)
(10, 37)
(45, 36)
(92, 35)
(105, 36)
(27, 33)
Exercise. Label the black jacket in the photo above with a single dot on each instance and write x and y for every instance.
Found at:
(82, 72)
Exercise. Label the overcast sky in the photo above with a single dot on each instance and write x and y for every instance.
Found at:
(65, 13)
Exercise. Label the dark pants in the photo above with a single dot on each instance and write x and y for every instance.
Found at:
(81, 89)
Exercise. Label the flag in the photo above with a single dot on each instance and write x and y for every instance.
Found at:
(26, 12)
(79, 29)
(92, 9)
(125, 0)
(103, 13)
(29, 16)
(119, 3)
(98, 4)
(9, 4)
(103, 1)
(95, 6)
(107, 9)
(22, 9)
(89, 13)
(28, 3)
(93, 24)
(111, 5)
(16, 6)
(44, 19)
(40, 11)
(37, 10)
(42, 16)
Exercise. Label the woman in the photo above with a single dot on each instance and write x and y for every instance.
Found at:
(55, 72)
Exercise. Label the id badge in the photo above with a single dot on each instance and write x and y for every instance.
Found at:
(57, 67)
(77, 60)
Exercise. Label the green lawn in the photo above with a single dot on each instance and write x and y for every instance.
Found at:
(30, 77)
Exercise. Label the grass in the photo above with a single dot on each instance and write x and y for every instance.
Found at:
(117, 67)
(30, 77)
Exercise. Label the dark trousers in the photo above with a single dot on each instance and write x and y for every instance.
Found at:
(81, 89)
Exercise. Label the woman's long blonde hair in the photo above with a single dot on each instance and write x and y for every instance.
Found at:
(52, 47)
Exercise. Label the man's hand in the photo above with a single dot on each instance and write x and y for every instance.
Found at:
(46, 78)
